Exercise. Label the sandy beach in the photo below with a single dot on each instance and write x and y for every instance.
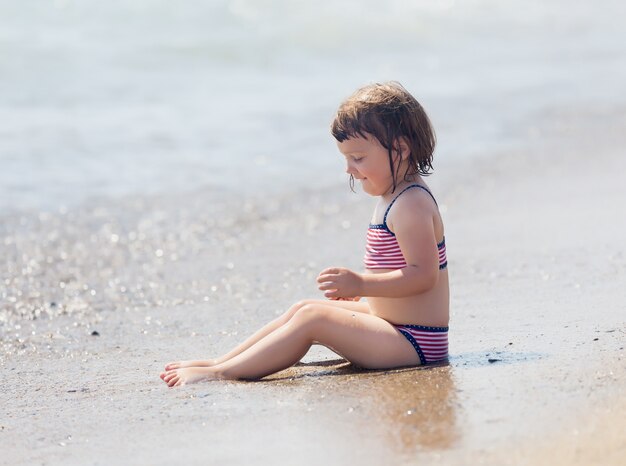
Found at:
(100, 297)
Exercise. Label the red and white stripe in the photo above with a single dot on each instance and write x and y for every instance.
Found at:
(382, 250)
(443, 259)
(434, 345)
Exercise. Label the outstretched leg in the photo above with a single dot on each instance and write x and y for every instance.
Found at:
(366, 340)
(362, 307)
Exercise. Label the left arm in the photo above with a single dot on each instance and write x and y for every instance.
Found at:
(416, 237)
(341, 283)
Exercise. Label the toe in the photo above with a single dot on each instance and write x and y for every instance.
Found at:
(172, 365)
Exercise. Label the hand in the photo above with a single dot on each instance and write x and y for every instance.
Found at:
(339, 282)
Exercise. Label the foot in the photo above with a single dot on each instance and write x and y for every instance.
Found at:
(198, 363)
(179, 377)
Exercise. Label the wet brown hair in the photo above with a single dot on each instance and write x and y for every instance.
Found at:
(388, 112)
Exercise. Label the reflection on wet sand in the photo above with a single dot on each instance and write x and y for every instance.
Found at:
(414, 409)
(418, 407)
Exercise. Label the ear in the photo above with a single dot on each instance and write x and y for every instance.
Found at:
(403, 148)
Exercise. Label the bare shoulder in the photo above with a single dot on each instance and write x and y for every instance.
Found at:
(413, 206)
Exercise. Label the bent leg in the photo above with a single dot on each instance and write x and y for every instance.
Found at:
(361, 307)
(366, 340)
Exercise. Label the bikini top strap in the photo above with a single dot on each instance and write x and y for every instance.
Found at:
(402, 192)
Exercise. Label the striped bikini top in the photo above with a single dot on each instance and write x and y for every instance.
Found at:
(382, 250)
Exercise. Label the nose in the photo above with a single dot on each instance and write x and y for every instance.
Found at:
(350, 170)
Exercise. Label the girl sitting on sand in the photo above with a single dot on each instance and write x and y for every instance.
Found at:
(388, 142)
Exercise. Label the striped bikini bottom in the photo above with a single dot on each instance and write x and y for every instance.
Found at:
(431, 343)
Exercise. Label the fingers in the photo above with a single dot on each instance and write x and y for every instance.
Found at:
(327, 281)
(330, 271)
(326, 277)
(330, 280)
(327, 286)
(335, 295)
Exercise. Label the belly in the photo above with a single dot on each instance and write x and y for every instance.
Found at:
(430, 308)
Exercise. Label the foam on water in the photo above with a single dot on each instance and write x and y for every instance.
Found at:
(117, 98)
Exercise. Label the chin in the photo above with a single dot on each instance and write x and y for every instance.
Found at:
(369, 190)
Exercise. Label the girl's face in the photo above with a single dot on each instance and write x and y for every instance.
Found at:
(368, 161)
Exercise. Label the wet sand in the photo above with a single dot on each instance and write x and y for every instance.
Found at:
(99, 298)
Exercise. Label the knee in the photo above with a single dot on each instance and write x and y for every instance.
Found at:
(295, 308)
(309, 314)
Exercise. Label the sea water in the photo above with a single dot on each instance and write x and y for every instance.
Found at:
(108, 99)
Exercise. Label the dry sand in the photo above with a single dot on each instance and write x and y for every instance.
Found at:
(537, 373)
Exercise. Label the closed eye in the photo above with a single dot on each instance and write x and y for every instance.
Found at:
(354, 158)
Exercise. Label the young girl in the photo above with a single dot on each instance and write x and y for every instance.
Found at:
(388, 142)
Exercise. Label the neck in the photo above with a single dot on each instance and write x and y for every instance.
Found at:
(400, 185)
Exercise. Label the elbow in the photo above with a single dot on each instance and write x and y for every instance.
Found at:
(430, 280)
(425, 280)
